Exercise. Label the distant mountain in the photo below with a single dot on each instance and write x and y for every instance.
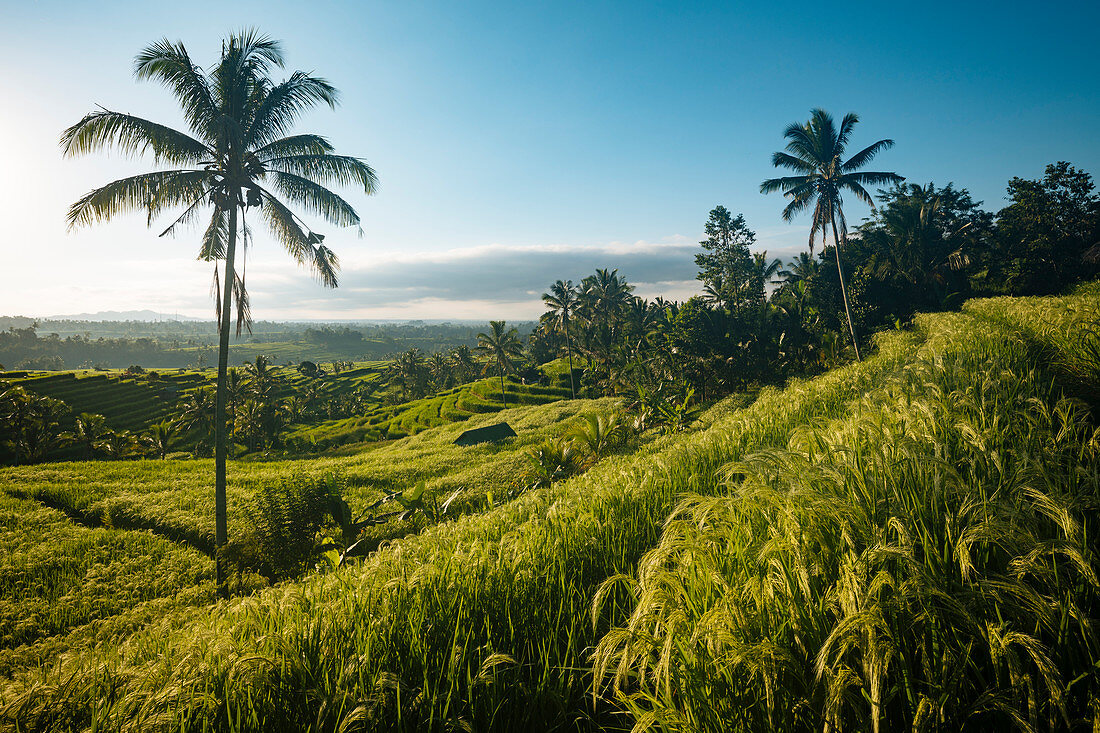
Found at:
(125, 316)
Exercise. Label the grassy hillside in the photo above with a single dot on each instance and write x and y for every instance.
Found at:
(136, 402)
(129, 402)
(409, 418)
(902, 543)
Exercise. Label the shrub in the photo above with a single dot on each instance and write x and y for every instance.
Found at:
(285, 519)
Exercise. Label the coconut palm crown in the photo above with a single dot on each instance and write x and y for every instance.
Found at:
(815, 152)
(562, 301)
(238, 157)
(502, 346)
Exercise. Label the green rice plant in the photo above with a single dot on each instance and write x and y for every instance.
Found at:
(824, 533)
(517, 580)
(920, 562)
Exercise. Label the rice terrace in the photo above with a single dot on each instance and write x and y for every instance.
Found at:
(549, 367)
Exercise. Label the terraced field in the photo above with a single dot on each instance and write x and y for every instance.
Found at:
(897, 544)
(409, 418)
(93, 551)
(128, 402)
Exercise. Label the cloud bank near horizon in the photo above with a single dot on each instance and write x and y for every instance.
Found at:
(481, 282)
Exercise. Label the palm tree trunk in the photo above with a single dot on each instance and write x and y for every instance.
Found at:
(843, 289)
(219, 410)
(569, 351)
(503, 397)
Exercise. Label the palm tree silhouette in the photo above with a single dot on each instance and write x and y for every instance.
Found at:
(561, 300)
(814, 151)
(501, 345)
(237, 157)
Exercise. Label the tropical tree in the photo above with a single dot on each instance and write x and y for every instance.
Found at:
(87, 433)
(199, 409)
(724, 264)
(237, 156)
(562, 300)
(801, 268)
(410, 371)
(502, 346)
(464, 363)
(160, 438)
(441, 369)
(815, 152)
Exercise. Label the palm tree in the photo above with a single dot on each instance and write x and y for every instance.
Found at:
(762, 273)
(264, 377)
(502, 345)
(237, 157)
(88, 432)
(561, 300)
(464, 363)
(802, 268)
(161, 437)
(441, 369)
(815, 150)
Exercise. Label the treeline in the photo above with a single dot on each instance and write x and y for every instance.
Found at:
(760, 321)
(28, 347)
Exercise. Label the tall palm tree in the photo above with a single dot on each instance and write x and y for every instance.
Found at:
(501, 345)
(236, 157)
(561, 300)
(815, 151)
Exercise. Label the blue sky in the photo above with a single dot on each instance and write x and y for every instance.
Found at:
(519, 143)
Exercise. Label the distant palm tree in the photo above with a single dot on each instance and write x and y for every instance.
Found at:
(264, 377)
(237, 155)
(562, 300)
(815, 151)
(442, 370)
(464, 363)
(800, 269)
(199, 410)
(88, 432)
(502, 345)
(161, 437)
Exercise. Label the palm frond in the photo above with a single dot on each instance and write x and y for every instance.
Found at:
(863, 157)
(342, 170)
(871, 178)
(186, 217)
(132, 135)
(314, 197)
(801, 198)
(244, 306)
(286, 230)
(800, 141)
(294, 145)
(846, 126)
(784, 183)
(216, 237)
(785, 160)
(326, 265)
(285, 102)
(169, 64)
(152, 192)
(859, 191)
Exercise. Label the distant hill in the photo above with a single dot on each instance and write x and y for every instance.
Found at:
(145, 315)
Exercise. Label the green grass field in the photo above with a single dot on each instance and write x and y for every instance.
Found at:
(908, 542)
(409, 418)
(137, 402)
